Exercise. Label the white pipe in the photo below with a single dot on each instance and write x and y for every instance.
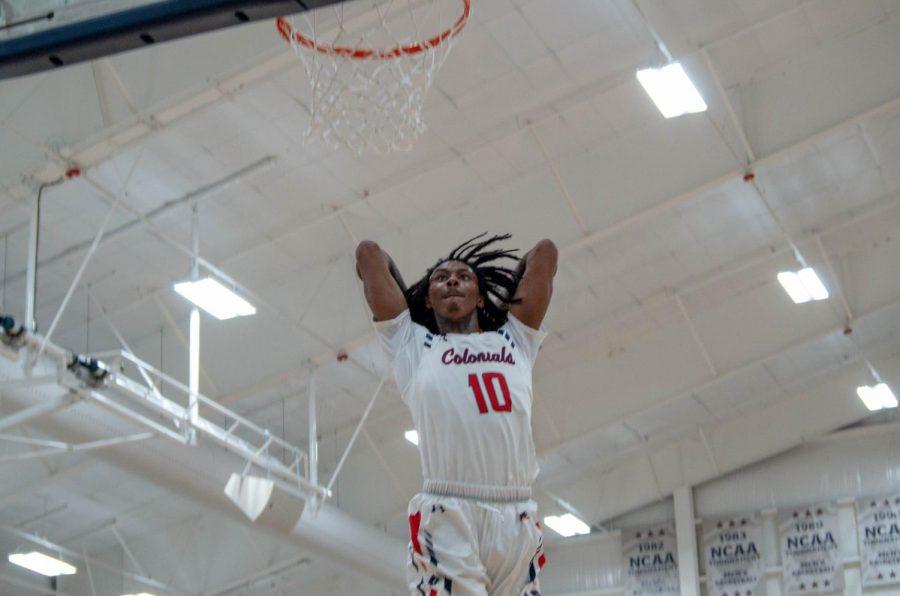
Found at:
(127, 550)
(84, 263)
(194, 349)
(194, 369)
(313, 433)
(36, 442)
(31, 271)
(32, 412)
(124, 343)
(359, 426)
(87, 567)
(686, 537)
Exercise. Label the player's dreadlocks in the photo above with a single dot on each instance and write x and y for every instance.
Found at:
(497, 284)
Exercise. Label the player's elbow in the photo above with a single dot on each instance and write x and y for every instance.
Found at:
(367, 250)
(546, 252)
(547, 246)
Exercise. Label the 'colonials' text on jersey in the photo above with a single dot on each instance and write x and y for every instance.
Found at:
(451, 357)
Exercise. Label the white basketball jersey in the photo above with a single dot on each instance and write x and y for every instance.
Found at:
(470, 396)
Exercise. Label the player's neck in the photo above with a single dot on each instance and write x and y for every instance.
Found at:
(467, 325)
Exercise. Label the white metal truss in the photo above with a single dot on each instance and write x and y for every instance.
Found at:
(109, 379)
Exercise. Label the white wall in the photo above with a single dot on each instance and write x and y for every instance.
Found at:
(849, 465)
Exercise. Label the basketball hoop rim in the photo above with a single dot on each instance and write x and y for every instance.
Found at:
(287, 32)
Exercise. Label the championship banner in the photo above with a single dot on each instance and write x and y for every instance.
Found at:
(809, 550)
(650, 558)
(878, 526)
(734, 564)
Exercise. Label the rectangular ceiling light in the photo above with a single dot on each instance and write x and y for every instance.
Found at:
(671, 90)
(878, 397)
(812, 283)
(41, 563)
(566, 525)
(803, 286)
(215, 298)
(885, 395)
(412, 436)
(791, 283)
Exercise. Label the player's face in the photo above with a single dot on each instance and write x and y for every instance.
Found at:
(453, 291)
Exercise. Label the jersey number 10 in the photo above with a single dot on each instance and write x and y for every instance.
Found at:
(491, 381)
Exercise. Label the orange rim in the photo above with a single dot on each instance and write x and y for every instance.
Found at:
(287, 32)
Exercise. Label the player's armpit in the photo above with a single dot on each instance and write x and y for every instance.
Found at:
(536, 285)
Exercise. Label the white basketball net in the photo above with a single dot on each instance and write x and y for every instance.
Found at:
(370, 64)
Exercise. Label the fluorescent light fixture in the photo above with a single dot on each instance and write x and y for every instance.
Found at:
(412, 436)
(41, 563)
(812, 283)
(566, 525)
(791, 283)
(878, 397)
(885, 395)
(140, 594)
(215, 298)
(871, 401)
(803, 286)
(671, 90)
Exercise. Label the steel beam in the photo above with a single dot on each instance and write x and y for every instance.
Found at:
(35, 411)
(359, 426)
(28, 382)
(127, 550)
(84, 263)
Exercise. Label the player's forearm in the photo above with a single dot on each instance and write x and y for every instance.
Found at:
(370, 255)
(544, 253)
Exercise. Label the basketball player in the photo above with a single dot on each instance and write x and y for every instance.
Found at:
(463, 342)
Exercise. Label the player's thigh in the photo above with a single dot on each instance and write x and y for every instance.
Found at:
(443, 557)
(524, 548)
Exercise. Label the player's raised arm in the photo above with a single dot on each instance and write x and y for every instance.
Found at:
(383, 285)
(536, 270)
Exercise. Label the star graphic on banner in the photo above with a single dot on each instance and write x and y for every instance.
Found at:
(719, 525)
(731, 524)
(808, 513)
(662, 532)
(743, 522)
(887, 503)
(880, 576)
(826, 583)
(650, 534)
(802, 586)
(872, 504)
(796, 514)
(638, 535)
(897, 501)
(893, 574)
(815, 584)
(819, 511)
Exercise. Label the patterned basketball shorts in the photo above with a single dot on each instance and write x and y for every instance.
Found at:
(463, 547)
